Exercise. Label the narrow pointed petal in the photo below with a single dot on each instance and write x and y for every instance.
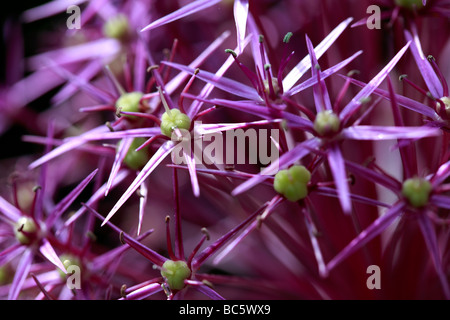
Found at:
(355, 104)
(10, 211)
(10, 253)
(225, 84)
(429, 235)
(299, 70)
(143, 192)
(143, 292)
(118, 160)
(377, 227)
(337, 166)
(440, 201)
(374, 176)
(441, 174)
(48, 9)
(321, 97)
(401, 100)
(48, 252)
(68, 200)
(188, 9)
(296, 154)
(425, 68)
(324, 74)
(99, 194)
(190, 161)
(219, 127)
(151, 165)
(361, 199)
(21, 273)
(240, 11)
(209, 292)
(389, 133)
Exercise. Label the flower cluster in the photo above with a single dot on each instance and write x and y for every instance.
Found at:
(213, 149)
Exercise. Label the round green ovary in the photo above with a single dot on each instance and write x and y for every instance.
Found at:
(326, 122)
(292, 183)
(116, 27)
(68, 260)
(175, 272)
(23, 228)
(417, 191)
(174, 119)
(410, 4)
(129, 102)
(136, 159)
(446, 101)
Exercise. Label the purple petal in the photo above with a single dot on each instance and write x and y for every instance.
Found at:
(188, 9)
(377, 227)
(388, 133)
(143, 191)
(101, 48)
(151, 165)
(299, 70)
(143, 292)
(355, 104)
(21, 273)
(190, 161)
(48, 10)
(209, 292)
(219, 127)
(374, 176)
(100, 193)
(225, 84)
(48, 252)
(428, 74)
(429, 235)
(403, 101)
(323, 75)
(10, 253)
(68, 200)
(296, 154)
(337, 166)
(321, 97)
(440, 201)
(240, 11)
(441, 174)
(333, 193)
(118, 160)
(10, 211)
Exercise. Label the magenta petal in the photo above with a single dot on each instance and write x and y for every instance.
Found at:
(10, 211)
(388, 133)
(118, 160)
(368, 234)
(188, 9)
(337, 166)
(299, 70)
(151, 165)
(48, 252)
(209, 292)
(440, 201)
(48, 9)
(240, 11)
(62, 206)
(21, 273)
(429, 235)
(441, 174)
(143, 292)
(356, 103)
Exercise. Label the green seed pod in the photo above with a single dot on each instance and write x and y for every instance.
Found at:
(23, 228)
(68, 260)
(292, 183)
(174, 118)
(136, 160)
(116, 27)
(175, 272)
(417, 191)
(129, 102)
(326, 122)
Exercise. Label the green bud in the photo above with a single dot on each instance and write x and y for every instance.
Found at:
(417, 191)
(129, 102)
(292, 183)
(68, 260)
(116, 27)
(326, 122)
(175, 272)
(172, 119)
(136, 159)
(23, 228)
